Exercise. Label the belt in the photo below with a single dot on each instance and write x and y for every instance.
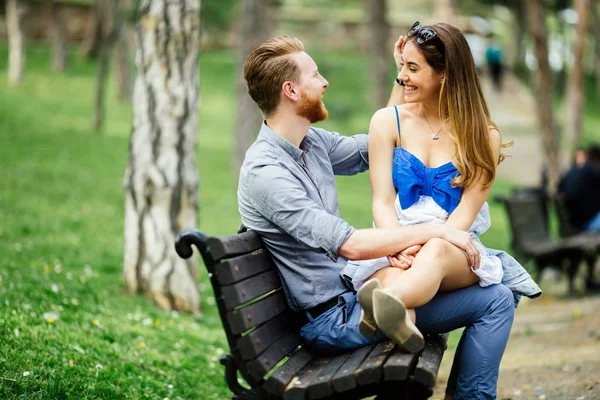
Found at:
(319, 309)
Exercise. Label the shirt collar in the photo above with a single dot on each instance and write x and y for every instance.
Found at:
(272, 137)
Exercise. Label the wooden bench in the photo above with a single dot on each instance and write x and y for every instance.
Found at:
(588, 241)
(266, 349)
(528, 218)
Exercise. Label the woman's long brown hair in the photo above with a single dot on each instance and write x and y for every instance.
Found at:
(462, 103)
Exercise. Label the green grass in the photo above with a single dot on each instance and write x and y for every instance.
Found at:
(67, 329)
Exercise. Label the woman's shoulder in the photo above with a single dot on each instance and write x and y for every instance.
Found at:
(388, 114)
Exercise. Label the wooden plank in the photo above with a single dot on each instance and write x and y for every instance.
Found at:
(230, 246)
(239, 268)
(242, 292)
(371, 371)
(321, 386)
(431, 358)
(399, 366)
(344, 379)
(268, 359)
(264, 336)
(297, 389)
(277, 382)
(257, 313)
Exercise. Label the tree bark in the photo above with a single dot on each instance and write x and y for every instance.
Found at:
(574, 106)
(15, 9)
(543, 81)
(123, 63)
(379, 34)
(596, 29)
(161, 181)
(57, 33)
(256, 26)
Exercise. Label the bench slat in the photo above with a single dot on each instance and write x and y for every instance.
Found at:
(370, 371)
(298, 387)
(322, 386)
(264, 336)
(257, 313)
(277, 382)
(242, 267)
(249, 289)
(344, 379)
(399, 366)
(230, 246)
(267, 360)
(429, 363)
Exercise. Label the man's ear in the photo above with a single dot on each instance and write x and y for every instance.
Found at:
(289, 90)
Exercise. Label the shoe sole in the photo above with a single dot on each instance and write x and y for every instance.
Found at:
(393, 320)
(367, 325)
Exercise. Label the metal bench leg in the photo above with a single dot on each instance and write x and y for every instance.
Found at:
(240, 392)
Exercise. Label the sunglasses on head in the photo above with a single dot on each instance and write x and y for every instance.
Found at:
(422, 35)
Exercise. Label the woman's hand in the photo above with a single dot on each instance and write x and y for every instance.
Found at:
(398, 50)
(464, 241)
(405, 258)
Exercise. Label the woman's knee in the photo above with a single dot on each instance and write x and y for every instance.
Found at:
(437, 248)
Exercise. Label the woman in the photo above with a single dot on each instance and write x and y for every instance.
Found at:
(432, 160)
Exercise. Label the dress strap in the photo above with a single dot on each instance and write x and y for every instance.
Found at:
(398, 124)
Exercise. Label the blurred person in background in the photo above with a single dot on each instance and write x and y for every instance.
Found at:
(493, 56)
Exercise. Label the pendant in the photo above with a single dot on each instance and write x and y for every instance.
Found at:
(435, 136)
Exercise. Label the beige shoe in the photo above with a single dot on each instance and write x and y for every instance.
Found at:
(367, 325)
(393, 320)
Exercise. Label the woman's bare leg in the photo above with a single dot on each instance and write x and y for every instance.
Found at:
(439, 266)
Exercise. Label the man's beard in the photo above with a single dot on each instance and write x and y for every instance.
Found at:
(312, 108)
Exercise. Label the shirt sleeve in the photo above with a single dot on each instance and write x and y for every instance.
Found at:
(279, 197)
(349, 155)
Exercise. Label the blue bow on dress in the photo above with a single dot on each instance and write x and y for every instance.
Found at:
(413, 179)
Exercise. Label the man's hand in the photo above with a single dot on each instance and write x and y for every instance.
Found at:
(398, 50)
(405, 258)
(464, 241)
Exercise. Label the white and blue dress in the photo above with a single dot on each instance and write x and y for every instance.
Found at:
(426, 195)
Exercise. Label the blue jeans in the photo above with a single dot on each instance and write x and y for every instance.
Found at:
(593, 224)
(486, 313)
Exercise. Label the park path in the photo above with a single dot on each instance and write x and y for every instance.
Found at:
(513, 110)
(553, 352)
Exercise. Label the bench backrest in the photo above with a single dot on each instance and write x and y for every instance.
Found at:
(259, 325)
(566, 227)
(527, 221)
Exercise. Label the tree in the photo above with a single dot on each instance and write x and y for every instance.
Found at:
(379, 34)
(543, 81)
(123, 63)
(15, 9)
(256, 26)
(161, 181)
(57, 33)
(91, 43)
(574, 104)
(596, 29)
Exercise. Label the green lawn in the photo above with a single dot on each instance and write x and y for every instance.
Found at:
(67, 329)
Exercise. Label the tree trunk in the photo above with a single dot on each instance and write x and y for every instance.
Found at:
(256, 26)
(596, 29)
(519, 22)
(161, 181)
(123, 63)
(93, 37)
(57, 33)
(444, 11)
(15, 9)
(574, 106)
(379, 34)
(543, 78)
(108, 15)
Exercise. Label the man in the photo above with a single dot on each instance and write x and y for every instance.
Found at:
(581, 188)
(287, 194)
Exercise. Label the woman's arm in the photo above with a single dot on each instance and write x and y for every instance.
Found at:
(475, 195)
(381, 154)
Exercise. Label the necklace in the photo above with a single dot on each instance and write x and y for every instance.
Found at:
(434, 135)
